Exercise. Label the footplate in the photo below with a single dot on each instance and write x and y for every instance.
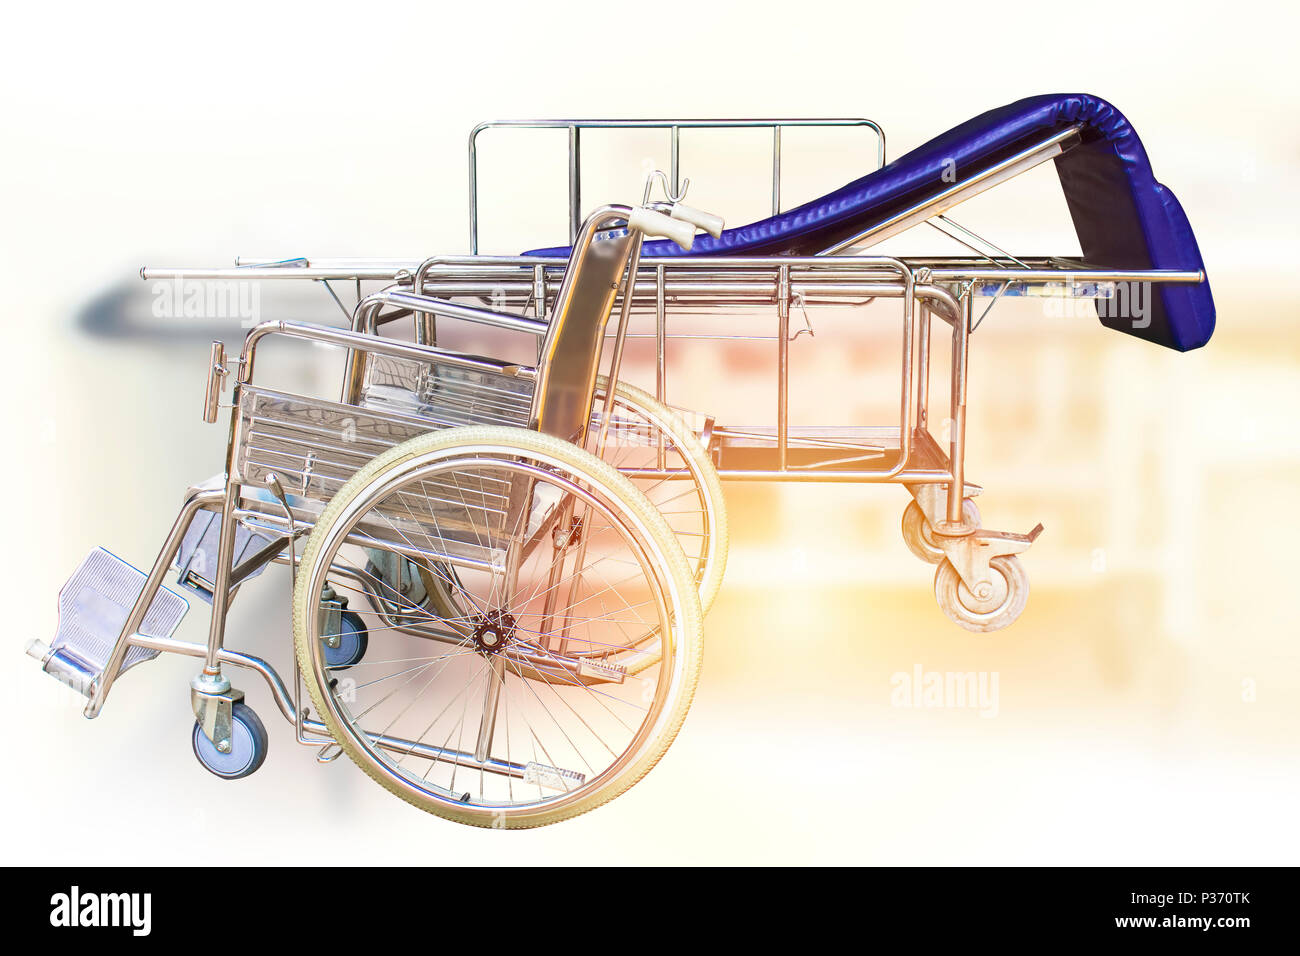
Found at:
(93, 607)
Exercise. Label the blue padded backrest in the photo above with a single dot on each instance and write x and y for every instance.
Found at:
(1124, 218)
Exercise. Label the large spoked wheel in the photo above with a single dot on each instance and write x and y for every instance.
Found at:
(918, 535)
(1008, 591)
(644, 434)
(527, 700)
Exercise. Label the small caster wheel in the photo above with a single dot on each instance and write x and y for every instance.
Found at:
(248, 746)
(918, 536)
(1008, 592)
(353, 642)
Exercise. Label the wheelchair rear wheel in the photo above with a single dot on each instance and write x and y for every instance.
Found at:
(532, 702)
(641, 429)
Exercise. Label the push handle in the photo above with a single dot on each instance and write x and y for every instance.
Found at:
(217, 373)
(700, 219)
(657, 224)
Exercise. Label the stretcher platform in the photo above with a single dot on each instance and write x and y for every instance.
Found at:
(1124, 218)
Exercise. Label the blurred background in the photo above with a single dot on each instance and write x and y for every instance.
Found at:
(1146, 707)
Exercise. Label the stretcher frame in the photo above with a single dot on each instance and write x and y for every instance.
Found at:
(521, 289)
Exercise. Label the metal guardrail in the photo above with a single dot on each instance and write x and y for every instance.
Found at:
(674, 126)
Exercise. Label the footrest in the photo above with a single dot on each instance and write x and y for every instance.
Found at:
(93, 606)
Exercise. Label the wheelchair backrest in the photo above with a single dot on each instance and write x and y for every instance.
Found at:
(571, 349)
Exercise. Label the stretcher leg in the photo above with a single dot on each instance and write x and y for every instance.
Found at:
(957, 441)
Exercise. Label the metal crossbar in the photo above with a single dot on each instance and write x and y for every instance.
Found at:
(674, 127)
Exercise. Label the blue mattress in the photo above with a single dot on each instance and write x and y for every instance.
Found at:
(1124, 218)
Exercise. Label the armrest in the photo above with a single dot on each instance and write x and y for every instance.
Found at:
(365, 318)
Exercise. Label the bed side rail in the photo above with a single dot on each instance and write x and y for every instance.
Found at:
(574, 128)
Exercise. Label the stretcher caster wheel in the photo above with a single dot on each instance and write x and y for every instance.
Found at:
(248, 746)
(353, 641)
(1007, 595)
(918, 536)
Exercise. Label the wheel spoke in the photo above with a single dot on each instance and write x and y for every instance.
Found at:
(538, 685)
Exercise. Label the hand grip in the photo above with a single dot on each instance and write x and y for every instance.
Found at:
(217, 373)
(657, 224)
(700, 219)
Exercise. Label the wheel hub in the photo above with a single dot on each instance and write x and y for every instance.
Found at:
(987, 596)
(494, 631)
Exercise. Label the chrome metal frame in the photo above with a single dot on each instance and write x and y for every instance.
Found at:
(1048, 148)
(529, 293)
(574, 127)
(582, 307)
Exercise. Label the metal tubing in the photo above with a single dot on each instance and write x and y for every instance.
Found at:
(907, 475)
(284, 703)
(366, 343)
(575, 182)
(783, 366)
(923, 367)
(280, 693)
(488, 722)
(908, 365)
(776, 170)
(661, 354)
(611, 385)
(192, 504)
(620, 339)
(945, 270)
(473, 188)
(365, 320)
(430, 752)
(674, 126)
(367, 311)
(957, 443)
(972, 185)
(539, 293)
(675, 160)
(1084, 274)
(221, 581)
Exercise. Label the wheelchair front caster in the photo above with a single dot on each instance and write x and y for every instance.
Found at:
(920, 539)
(248, 746)
(1008, 591)
(352, 643)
